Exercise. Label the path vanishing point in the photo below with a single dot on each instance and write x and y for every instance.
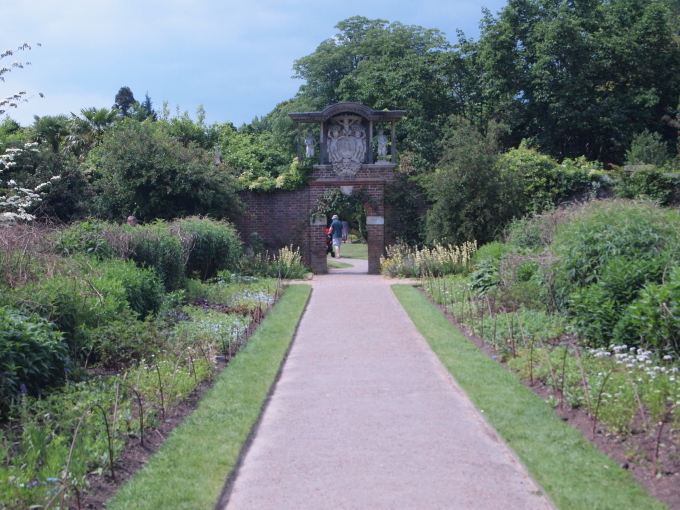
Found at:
(364, 416)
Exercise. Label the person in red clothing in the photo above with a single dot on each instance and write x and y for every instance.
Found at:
(329, 242)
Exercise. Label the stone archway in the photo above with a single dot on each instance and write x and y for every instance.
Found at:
(346, 159)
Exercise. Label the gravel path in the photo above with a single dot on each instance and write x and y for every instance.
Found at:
(364, 416)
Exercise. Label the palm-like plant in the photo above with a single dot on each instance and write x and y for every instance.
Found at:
(87, 129)
(51, 130)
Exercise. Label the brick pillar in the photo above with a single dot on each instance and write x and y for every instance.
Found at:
(317, 243)
(375, 227)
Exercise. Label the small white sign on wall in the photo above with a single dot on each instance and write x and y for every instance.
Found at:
(317, 219)
(375, 220)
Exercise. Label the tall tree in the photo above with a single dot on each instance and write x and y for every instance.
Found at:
(581, 77)
(124, 100)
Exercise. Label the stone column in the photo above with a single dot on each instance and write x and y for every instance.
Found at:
(375, 228)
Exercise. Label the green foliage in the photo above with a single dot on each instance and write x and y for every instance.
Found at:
(492, 251)
(33, 356)
(124, 100)
(141, 169)
(155, 246)
(648, 149)
(580, 79)
(601, 231)
(143, 288)
(87, 237)
(125, 340)
(405, 197)
(661, 184)
(296, 177)
(654, 317)
(88, 295)
(213, 246)
(545, 183)
(470, 199)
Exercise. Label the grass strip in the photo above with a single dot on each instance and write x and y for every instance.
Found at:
(354, 251)
(190, 468)
(573, 472)
(338, 265)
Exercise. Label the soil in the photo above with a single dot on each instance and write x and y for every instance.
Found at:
(635, 452)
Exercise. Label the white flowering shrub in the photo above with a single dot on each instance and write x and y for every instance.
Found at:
(17, 201)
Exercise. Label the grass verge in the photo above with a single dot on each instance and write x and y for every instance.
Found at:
(338, 265)
(354, 251)
(190, 468)
(573, 472)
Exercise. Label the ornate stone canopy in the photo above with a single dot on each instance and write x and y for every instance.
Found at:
(346, 135)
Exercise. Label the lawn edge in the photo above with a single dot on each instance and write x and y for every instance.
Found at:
(222, 404)
(454, 351)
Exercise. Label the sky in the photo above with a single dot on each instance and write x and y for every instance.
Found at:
(234, 58)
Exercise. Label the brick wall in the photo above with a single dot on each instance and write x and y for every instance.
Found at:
(283, 218)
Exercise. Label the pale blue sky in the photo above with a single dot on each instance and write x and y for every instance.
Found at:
(235, 58)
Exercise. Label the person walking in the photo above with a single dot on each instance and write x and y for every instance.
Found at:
(336, 233)
(345, 231)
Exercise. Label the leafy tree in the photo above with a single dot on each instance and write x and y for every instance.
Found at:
(470, 200)
(146, 108)
(359, 39)
(124, 101)
(389, 66)
(648, 149)
(141, 169)
(580, 78)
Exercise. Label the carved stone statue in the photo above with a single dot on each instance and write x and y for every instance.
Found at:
(382, 145)
(346, 144)
(310, 143)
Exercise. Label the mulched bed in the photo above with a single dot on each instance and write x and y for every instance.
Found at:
(633, 452)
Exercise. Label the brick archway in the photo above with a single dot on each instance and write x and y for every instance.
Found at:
(347, 160)
(286, 217)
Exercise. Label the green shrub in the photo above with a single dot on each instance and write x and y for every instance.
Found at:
(92, 295)
(120, 342)
(654, 317)
(86, 237)
(155, 246)
(33, 355)
(544, 182)
(143, 289)
(213, 246)
(660, 184)
(601, 231)
(648, 149)
(493, 251)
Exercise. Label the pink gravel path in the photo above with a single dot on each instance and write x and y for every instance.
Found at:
(365, 416)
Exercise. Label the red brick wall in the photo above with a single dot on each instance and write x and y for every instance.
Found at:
(281, 218)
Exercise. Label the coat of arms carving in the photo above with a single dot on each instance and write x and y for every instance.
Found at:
(346, 144)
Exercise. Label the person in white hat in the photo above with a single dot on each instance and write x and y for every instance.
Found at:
(336, 233)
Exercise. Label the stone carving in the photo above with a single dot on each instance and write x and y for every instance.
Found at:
(346, 144)
(310, 143)
(382, 146)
